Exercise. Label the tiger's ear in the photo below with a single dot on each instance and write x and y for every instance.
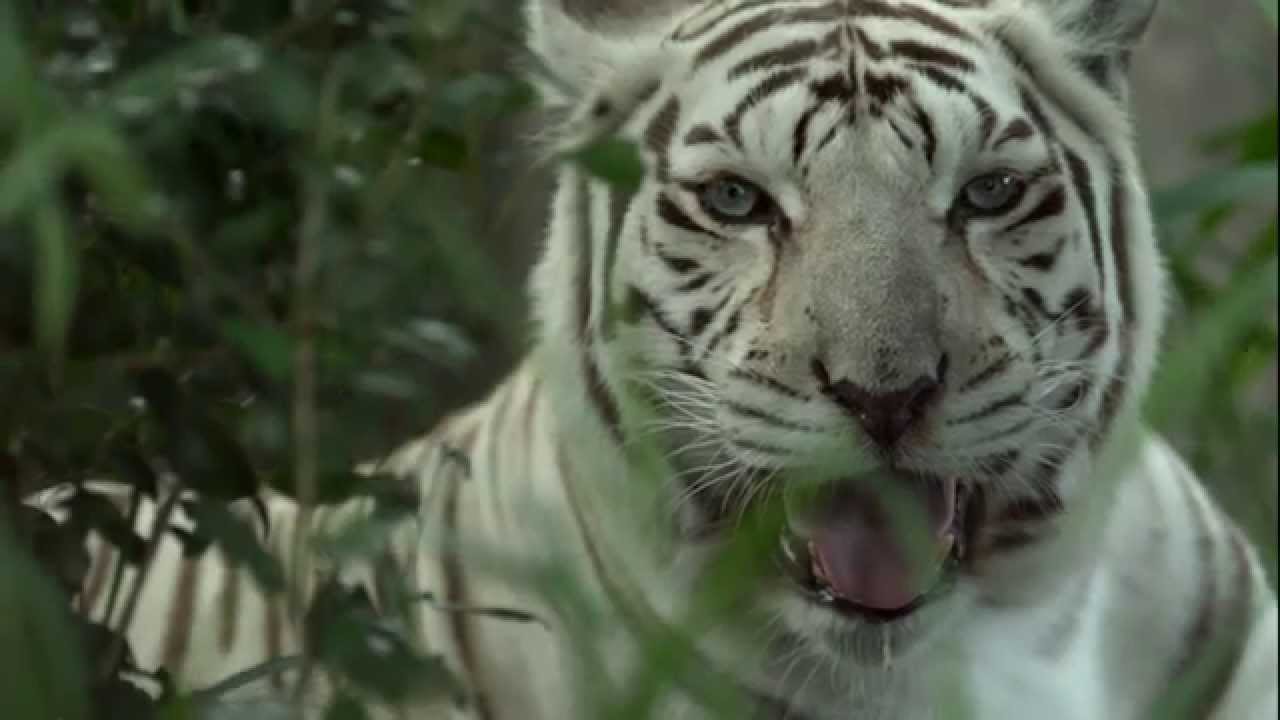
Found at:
(584, 45)
(1105, 33)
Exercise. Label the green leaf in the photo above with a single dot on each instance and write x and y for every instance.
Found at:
(238, 542)
(132, 468)
(1251, 142)
(1269, 9)
(57, 275)
(97, 512)
(87, 144)
(42, 673)
(444, 149)
(268, 347)
(345, 707)
(205, 455)
(616, 161)
(1187, 370)
(1216, 188)
(160, 389)
(344, 633)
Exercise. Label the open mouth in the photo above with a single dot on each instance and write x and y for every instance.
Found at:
(865, 558)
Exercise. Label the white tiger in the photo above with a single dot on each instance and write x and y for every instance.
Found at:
(880, 246)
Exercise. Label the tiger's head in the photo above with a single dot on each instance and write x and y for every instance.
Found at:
(880, 248)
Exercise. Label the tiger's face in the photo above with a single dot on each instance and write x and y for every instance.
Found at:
(875, 267)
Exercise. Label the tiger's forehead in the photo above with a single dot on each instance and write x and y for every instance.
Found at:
(922, 70)
(850, 43)
(726, 24)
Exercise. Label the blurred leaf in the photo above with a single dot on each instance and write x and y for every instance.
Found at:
(211, 696)
(497, 613)
(56, 280)
(615, 161)
(59, 548)
(443, 148)
(132, 468)
(1184, 377)
(42, 673)
(161, 392)
(85, 144)
(1215, 188)
(345, 707)
(238, 542)
(97, 640)
(99, 513)
(270, 349)
(1252, 142)
(1269, 9)
(331, 484)
(1262, 247)
(193, 544)
(120, 699)
(204, 455)
(344, 633)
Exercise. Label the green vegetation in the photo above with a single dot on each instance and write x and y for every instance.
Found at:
(263, 241)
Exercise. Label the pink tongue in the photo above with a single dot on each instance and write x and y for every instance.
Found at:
(860, 554)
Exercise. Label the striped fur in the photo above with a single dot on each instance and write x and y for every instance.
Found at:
(686, 369)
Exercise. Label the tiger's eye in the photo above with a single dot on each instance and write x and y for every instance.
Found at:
(993, 193)
(731, 199)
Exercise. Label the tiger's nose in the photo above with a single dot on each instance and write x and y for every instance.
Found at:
(885, 416)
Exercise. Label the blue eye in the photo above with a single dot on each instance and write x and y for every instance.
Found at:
(732, 200)
(993, 193)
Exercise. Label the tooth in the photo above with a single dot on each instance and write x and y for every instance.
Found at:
(790, 553)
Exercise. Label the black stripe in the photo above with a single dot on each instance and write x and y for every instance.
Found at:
(761, 380)
(683, 35)
(773, 18)
(1050, 206)
(988, 373)
(770, 86)
(1115, 390)
(730, 327)
(1004, 403)
(1082, 181)
(678, 264)
(455, 592)
(883, 88)
(229, 608)
(701, 317)
(1017, 129)
(658, 135)
(650, 306)
(702, 134)
(789, 54)
(181, 618)
(766, 417)
(902, 136)
(940, 77)
(670, 212)
(697, 283)
(926, 128)
(931, 55)
(937, 23)
(1044, 261)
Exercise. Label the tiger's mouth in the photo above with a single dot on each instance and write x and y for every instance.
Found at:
(876, 559)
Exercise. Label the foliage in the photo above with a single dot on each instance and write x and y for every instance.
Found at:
(241, 244)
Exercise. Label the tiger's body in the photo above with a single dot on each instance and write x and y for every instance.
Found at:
(896, 242)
